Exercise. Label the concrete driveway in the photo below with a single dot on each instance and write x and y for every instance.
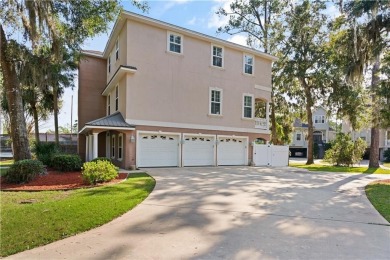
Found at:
(239, 213)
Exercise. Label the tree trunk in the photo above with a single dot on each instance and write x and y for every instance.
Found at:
(36, 122)
(55, 105)
(374, 148)
(273, 120)
(309, 104)
(20, 145)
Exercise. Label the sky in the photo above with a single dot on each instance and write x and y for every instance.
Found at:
(196, 15)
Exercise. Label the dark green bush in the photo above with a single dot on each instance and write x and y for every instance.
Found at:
(24, 171)
(99, 171)
(386, 155)
(67, 162)
(45, 152)
(102, 159)
(344, 151)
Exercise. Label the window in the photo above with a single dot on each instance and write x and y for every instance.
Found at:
(175, 43)
(217, 56)
(215, 102)
(113, 146)
(299, 137)
(248, 64)
(117, 50)
(120, 146)
(108, 105)
(248, 106)
(116, 99)
(109, 63)
(319, 119)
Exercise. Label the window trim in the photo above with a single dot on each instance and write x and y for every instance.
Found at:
(220, 102)
(322, 117)
(169, 33)
(300, 137)
(252, 105)
(212, 56)
(113, 146)
(253, 64)
(109, 105)
(120, 146)
(116, 98)
(117, 49)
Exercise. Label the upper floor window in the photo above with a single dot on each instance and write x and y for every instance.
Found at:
(175, 42)
(215, 102)
(248, 106)
(319, 119)
(109, 63)
(116, 98)
(108, 105)
(117, 50)
(248, 64)
(120, 146)
(217, 56)
(299, 137)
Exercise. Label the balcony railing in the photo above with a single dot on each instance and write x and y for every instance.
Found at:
(261, 123)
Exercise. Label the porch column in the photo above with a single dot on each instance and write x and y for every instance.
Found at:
(86, 148)
(267, 114)
(95, 145)
(90, 147)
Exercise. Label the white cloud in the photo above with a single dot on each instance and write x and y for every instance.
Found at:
(192, 21)
(172, 3)
(239, 39)
(216, 21)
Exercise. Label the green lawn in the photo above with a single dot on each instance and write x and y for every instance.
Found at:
(6, 162)
(58, 214)
(379, 194)
(330, 168)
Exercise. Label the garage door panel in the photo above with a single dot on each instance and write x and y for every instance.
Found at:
(198, 151)
(231, 151)
(158, 150)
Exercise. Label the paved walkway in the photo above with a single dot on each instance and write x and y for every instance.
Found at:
(239, 213)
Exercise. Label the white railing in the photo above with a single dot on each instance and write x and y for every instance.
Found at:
(261, 123)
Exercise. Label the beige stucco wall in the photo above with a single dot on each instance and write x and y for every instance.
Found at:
(122, 39)
(170, 87)
(122, 90)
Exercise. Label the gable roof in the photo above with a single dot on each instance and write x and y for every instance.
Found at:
(113, 120)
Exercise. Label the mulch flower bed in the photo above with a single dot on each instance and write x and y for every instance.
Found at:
(54, 180)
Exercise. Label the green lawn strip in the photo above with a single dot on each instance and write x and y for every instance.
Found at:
(58, 214)
(330, 168)
(6, 162)
(379, 194)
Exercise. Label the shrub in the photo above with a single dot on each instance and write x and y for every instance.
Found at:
(344, 151)
(99, 171)
(67, 162)
(102, 159)
(24, 171)
(386, 155)
(45, 152)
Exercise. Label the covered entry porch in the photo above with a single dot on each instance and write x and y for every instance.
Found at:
(109, 137)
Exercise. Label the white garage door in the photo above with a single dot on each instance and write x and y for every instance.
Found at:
(231, 151)
(198, 150)
(157, 150)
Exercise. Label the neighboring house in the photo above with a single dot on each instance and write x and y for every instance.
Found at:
(365, 134)
(162, 95)
(322, 133)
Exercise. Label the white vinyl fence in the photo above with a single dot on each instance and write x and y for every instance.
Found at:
(270, 155)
